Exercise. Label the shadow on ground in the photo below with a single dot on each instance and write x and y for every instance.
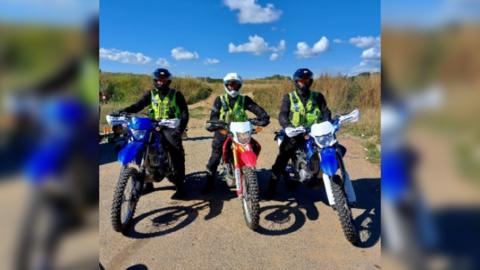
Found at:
(295, 206)
(199, 138)
(170, 219)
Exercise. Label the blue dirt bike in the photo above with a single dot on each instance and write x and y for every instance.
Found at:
(408, 228)
(60, 172)
(322, 157)
(143, 160)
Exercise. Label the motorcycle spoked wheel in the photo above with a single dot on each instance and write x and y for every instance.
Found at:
(125, 199)
(344, 212)
(250, 199)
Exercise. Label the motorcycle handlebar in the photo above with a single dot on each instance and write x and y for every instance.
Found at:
(214, 125)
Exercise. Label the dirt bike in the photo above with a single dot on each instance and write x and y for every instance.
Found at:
(60, 174)
(143, 160)
(322, 156)
(239, 159)
(408, 227)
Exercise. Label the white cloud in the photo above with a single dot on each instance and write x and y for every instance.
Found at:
(257, 45)
(180, 53)
(125, 57)
(372, 53)
(277, 51)
(364, 42)
(162, 62)
(281, 46)
(370, 56)
(304, 50)
(211, 61)
(370, 60)
(251, 12)
(366, 66)
(274, 56)
(337, 40)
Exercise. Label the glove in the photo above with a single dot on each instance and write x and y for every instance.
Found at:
(209, 127)
(292, 132)
(259, 122)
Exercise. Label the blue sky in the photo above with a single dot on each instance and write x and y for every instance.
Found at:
(429, 13)
(50, 12)
(253, 37)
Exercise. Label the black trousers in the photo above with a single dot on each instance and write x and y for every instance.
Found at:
(174, 147)
(286, 151)
(216, 156)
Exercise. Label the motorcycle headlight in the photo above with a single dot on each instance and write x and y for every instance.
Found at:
(324, 140)
(139, 134)
(243, 137)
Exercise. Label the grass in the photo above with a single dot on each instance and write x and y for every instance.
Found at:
(31, 53)
(198, 113)
(126, 87)
(342, 93)
(373, 152)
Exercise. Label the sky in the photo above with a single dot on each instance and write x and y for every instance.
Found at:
(49, 12)
(427, 14)
(255, 38)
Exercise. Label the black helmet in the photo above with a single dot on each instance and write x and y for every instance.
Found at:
(304, 75)
(161, 78)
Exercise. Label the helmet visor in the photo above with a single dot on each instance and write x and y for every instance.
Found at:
(305, 82)
(160, 82)
(233, 85)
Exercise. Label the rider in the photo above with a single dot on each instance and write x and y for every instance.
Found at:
(167, 103)
(301, 107)
(230, 107)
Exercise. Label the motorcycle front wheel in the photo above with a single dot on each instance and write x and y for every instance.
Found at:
(250, 199)
(125, 199)
(344, 212)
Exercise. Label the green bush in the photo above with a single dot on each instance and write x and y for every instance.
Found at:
(126, 87)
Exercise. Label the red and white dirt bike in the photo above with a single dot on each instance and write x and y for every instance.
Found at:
(239, 158)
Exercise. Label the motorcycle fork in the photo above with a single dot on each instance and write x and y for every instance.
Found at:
(347, 184)
(237, 171)
(145, 162)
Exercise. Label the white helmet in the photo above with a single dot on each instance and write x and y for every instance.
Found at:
(232, 77)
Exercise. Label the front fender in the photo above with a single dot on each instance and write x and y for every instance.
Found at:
(248, 158)
(329, 162)
(47, 160)
(132, 151)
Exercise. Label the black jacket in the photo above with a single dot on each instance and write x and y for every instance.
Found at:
(146, 100)
(284, 116)
(262, 117)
